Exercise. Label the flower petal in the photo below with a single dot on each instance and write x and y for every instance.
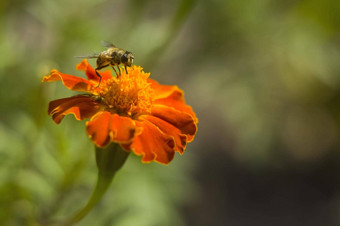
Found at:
(171, 96)
(70, 81)
(176, 100)
(81, 107)
(123, 129)
(169, 129)
(91, 73)
(163, 91)
(105, 127)
(153, 144)
(98, 128)
(181, 120)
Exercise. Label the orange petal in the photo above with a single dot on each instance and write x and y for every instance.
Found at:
(163, 91)
(105, 127)
(98, 128)
(176, 100)
(171, 96)
(123, 129)
(70, 81)
(179, 138)
(153, 144)
(181, 120)
(81, 107)
(91, 73)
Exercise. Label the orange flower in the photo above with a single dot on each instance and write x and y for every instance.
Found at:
(141, 115)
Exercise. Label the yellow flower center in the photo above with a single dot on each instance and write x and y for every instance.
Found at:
(130, 94)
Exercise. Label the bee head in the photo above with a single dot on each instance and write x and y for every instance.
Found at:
(127, 58)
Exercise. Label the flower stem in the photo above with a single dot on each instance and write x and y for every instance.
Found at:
(109, 161)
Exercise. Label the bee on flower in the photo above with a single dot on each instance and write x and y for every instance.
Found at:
(141, 115)
(113, 56)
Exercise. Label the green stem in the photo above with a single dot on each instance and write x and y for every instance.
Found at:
(109, 161)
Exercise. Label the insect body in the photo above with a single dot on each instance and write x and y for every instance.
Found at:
(113, 56)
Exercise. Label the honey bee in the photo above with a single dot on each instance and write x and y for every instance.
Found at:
(113, 56)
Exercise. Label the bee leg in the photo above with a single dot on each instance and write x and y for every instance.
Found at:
(96, 70)
(119, 70)
(100, 77)
(115, 71)
(126, 69)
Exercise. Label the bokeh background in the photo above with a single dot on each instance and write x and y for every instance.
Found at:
(262, 76)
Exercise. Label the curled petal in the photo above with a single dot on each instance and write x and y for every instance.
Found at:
(181, 120)
(171, 96)
(98, 129)
(123, 129)
(70, 81)
(91, 73)
(105, 127)
(176, 100)
(82, 107)
(167, 128)
(153, 144)
(163, 91)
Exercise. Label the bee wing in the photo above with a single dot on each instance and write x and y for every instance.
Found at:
(91, 55)
(106, 44)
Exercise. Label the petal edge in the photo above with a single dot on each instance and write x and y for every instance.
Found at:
(82, 107)
(153, 144)
(70, 81)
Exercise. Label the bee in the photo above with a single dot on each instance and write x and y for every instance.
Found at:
(113, 56)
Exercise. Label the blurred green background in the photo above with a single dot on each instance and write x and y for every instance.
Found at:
(262, 76)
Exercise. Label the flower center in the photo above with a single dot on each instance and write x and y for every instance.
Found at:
(130, 94)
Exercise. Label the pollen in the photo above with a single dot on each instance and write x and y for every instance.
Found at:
(130, 94)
